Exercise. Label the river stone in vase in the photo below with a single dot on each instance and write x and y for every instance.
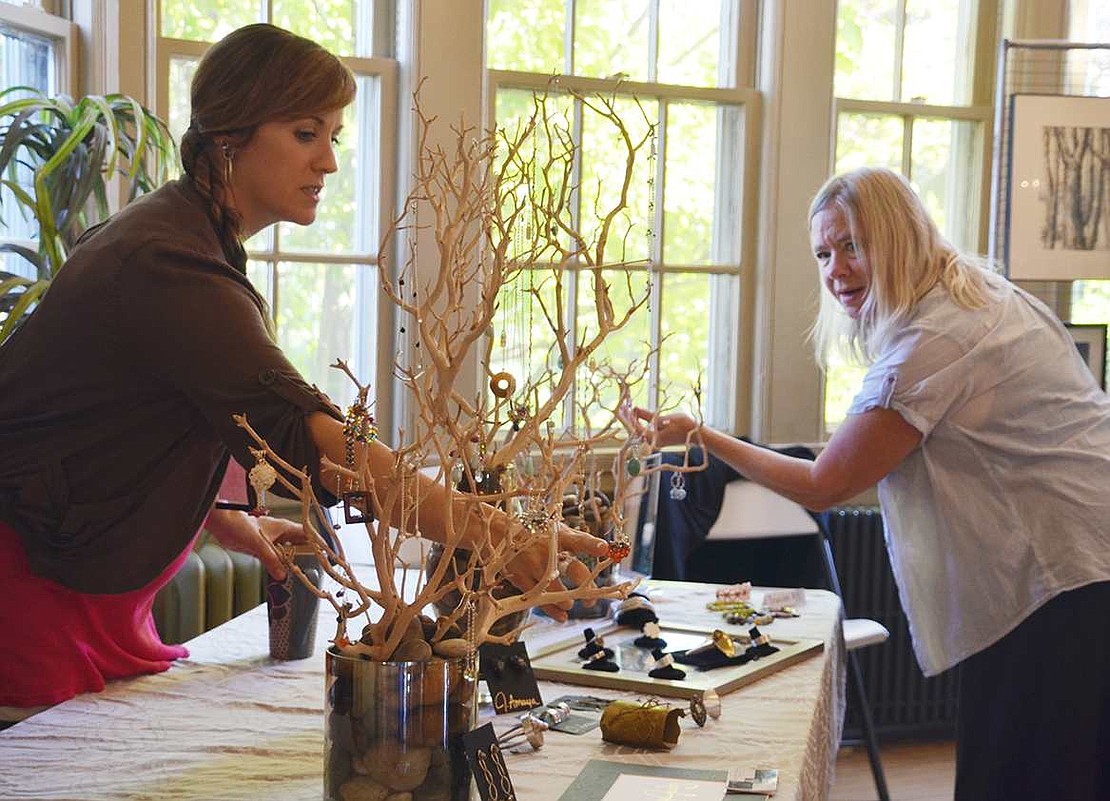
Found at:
(396, 727)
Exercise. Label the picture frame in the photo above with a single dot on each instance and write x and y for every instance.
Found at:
(1058, 212)
(1090, 340)
(560, 662)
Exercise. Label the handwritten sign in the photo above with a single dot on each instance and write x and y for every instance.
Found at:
(508, 673)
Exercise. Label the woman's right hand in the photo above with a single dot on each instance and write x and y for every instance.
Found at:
(529, 567)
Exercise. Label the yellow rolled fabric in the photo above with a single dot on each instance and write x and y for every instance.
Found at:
(650, 725)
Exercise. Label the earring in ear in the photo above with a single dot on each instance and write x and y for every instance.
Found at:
(229, 156)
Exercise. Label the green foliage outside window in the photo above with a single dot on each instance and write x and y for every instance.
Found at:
(698, 196)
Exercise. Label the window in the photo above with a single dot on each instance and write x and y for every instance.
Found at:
(909, 100)
(690, 92)
(36, 51)
(321, 281)
(1090, 300)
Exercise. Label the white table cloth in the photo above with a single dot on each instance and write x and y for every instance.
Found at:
(230, 723)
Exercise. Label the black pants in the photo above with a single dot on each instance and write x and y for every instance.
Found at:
(1034, 708)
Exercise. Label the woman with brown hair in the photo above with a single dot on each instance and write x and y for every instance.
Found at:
(117, 394)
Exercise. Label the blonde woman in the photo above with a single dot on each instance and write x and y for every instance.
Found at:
(990, 444)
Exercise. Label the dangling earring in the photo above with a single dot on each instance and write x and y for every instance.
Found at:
(262, 476)
(229, 157)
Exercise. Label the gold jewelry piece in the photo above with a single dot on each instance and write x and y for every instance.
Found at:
(502, 385)
(724, 643)
(358, 426)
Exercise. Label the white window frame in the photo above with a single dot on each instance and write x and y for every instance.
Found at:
(737, 89)
(63, 34)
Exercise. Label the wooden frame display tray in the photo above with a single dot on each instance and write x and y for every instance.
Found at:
(560, 662)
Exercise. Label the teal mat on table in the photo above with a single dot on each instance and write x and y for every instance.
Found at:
(595, 779)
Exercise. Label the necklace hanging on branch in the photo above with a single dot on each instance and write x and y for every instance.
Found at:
(261, 477)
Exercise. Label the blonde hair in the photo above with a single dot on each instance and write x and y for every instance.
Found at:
(259, 73)
(905, 254)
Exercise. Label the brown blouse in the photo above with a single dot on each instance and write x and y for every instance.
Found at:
(116, 397)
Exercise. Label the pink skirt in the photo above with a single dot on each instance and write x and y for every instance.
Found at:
(56, 642)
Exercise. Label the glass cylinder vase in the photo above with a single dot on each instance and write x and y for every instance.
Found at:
(393, 728)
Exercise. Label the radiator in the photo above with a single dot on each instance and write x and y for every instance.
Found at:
(903, 702)
(211, 587)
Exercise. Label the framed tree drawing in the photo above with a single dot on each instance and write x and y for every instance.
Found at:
(1058, 217)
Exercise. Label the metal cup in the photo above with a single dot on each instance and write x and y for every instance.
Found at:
(292, 610)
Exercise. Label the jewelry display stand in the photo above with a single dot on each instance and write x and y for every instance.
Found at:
(561, 663)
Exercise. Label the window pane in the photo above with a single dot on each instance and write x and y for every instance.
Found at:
(258, 272)
(316, 322)
(346, 220)
(181, 76)
(536, 154)
(207, 20)
(524, 340)
(868, 140)
(1091, 26)
(701, 190)
(603, 170)
(936, 50)
(865, 72)
(842, 382)
(526, 35)
(690, 48)
(611, 37)
(946, 175)
(26, 60)
(684, 350)
(341, 26)
(623, 351)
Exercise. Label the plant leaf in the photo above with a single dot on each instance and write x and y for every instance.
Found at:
(32, 256)
(15, 316)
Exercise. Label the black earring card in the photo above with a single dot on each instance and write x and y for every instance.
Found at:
(487, 763)
(508, 674)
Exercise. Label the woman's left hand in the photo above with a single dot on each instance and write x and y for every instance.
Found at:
(238, 531)
(660, 430)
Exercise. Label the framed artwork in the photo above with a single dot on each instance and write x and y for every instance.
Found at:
(1058, 214)
(1090, 340)
(561, 663)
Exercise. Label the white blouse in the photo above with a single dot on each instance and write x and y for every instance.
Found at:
(1006, 503)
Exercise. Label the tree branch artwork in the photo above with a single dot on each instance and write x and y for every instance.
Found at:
(492, 216)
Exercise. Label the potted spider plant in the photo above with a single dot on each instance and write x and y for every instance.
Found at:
(57, 160)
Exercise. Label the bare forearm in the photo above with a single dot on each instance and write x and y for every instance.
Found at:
(435, 498)
(794, 478)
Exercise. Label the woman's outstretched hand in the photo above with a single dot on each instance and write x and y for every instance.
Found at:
(238, 531)
(660, 430)
(530, 566)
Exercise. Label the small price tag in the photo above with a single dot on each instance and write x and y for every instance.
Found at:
(508, 673)
(488, 765)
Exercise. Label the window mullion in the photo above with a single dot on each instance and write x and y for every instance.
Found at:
(907, 146)
(571, 311)
(568, 37)
(655, 253)
(899, 49)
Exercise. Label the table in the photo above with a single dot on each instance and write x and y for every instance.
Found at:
(230, 723)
